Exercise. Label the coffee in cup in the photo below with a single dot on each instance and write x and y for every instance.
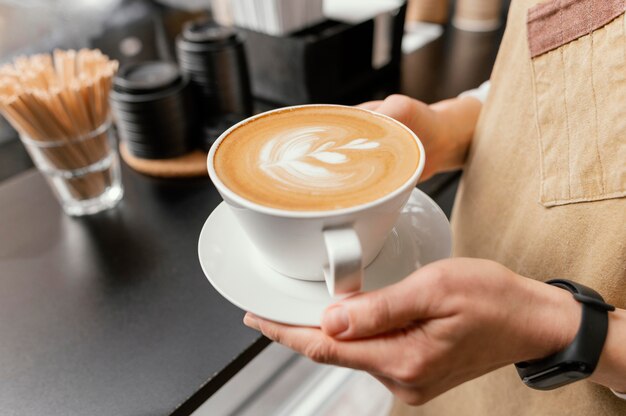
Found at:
(316, 158)
(317, 188)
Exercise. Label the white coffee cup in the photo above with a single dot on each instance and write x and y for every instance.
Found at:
(332, 245)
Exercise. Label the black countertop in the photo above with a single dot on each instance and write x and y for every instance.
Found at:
(111, 314)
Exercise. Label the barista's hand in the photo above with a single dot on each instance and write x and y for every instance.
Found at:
(445, 128)
(448, 322)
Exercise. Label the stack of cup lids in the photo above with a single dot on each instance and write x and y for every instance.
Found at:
(151, 107)
(213, 58)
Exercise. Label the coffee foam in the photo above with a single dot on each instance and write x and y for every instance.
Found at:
(316, 158)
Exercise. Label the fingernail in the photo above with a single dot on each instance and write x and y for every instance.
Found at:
(251, 322)
(335, 320)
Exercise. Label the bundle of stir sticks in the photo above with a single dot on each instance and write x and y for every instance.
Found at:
(59, 105)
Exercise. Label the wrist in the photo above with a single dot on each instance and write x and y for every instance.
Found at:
(551, 320)
(457, 118)
(612, 365)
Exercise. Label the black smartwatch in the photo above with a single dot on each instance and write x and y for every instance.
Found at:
(580, 358)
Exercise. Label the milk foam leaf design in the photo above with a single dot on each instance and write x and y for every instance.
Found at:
(295, 151)
(289, 158)
(323, 147)
(303, 170)
(360, 144)
(329, 157)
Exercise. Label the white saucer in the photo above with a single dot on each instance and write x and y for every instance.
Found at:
(235, 269)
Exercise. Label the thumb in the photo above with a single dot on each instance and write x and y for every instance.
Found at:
(377, 312)
(370, 105)
(408, 111)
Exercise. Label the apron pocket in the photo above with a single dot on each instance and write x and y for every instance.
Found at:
(578, 52)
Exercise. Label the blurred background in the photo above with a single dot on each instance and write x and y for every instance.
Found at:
(175, 342)
(447, 46)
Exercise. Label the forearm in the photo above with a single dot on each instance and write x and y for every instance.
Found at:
(611, 370)
(458, 118)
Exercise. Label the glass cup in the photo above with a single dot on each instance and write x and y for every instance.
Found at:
(83, 171)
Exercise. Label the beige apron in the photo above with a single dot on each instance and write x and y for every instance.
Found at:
(543, 189)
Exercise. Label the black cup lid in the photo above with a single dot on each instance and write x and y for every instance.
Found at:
(206, 31)
(147, 77)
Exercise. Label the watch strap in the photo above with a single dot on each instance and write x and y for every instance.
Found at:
(580, 358)
(582, 293)
(620, 395)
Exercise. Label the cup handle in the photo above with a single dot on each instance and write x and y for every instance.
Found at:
(344, 273)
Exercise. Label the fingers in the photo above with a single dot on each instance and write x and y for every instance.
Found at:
(383, 310)
(414, 114)
(372, 313)
(370, 105)
(400, 107)
(370, 355)
(380, 357)
(251, 321)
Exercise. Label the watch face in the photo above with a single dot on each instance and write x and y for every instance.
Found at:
(557, 376)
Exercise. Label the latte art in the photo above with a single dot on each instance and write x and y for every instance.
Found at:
(316, 158)
(303, 158)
